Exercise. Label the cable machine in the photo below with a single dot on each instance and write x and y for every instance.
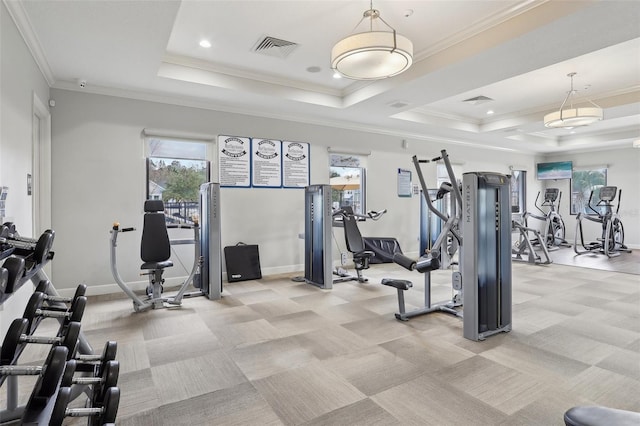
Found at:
(318, 262)
(319, 220)
(486, 269)
(481, 225)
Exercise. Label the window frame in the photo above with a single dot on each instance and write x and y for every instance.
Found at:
(573, 201)
(185, 209)
(354, 164)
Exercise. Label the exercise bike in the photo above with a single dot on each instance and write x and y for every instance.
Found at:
(611, 242)
(553, 232)
(155, 250)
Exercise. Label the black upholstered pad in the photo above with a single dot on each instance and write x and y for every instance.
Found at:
(155, 245)
(353, 237)
(152, 206)
(600, 416)
(400, 284)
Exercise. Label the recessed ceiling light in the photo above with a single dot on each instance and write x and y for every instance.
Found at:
(205, 43)
(337, 75)
(490, 112)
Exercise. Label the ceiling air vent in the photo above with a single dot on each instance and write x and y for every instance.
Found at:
(398, 104)
(274, 47)
(478, 100)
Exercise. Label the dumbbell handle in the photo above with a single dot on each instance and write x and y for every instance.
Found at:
(19, 370)
(60, 299)
(25, 338)
(83, 412)
(87, 380)
(46, 313)
(17, 243)
(87, 358)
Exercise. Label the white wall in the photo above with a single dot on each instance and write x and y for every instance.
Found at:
(20, 79)
(623, 171)
(98, 177)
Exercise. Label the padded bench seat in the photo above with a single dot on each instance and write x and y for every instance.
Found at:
(600, 416)
(383, 247)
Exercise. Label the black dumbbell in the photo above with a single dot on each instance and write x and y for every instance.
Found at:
(36, 251)
(34, 311)
(15, 267)
(8, 231)
(99, 384)
(95, 364)
(105, 413)
(50, 372)
(17, 337)
(44, 286)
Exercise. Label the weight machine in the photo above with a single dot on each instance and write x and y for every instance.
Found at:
(430, 259)
(611, 242)
(206, 273)
(319, 220)
(481, 227)
(431, 224)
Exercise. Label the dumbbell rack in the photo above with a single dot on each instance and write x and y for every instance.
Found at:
(13, 411)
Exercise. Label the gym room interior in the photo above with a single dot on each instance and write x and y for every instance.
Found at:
(102, 100)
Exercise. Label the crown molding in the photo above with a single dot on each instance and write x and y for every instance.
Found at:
(193, 103)
(203, 65)
(486, 24)
(20, 18)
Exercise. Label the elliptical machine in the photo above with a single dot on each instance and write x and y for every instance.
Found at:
(611, 242)
(554, 229)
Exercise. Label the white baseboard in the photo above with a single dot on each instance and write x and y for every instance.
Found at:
(173, 282)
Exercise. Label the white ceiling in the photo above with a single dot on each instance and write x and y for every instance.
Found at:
(516, 52)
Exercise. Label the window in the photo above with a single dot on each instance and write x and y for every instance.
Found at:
(518, 191)
(583, 181)
(442, 176)
(175, 171)
(347, 178)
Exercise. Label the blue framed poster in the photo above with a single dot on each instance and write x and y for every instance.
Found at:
(266, 163)
(234, 161)
(295, 164)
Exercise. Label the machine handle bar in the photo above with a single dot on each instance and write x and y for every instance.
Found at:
(372, 214)
(182, 226)
(116, 227)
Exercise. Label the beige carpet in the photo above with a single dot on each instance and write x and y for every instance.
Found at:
(276, 352)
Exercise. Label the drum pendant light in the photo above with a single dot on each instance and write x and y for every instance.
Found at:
(372, 55)
(568, 117)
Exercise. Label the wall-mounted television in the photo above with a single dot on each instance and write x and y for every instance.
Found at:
(553, 171)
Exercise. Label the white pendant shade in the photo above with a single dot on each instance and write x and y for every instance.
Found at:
(573, 117)
(372, 55)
